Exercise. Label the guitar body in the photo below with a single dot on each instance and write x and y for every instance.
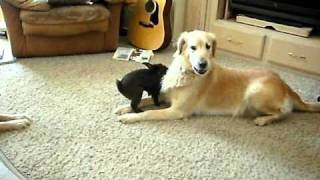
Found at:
(149, 26)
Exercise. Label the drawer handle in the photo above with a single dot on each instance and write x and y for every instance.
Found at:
(297, 57)
(233, 41)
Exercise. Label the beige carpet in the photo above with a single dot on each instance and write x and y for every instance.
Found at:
(76, 136)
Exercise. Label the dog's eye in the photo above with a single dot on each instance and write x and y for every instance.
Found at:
(193, 48)
(208, 46)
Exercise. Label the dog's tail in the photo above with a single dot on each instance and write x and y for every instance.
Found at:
(300, 105)
(119, 86)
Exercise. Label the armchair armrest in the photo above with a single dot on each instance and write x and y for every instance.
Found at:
(121, 1)
(34, 5)
(14, 26)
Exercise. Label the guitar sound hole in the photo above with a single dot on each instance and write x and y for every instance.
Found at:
(150, 6)
(154, 16)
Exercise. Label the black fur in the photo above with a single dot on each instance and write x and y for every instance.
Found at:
(319, 99)
(134, 83)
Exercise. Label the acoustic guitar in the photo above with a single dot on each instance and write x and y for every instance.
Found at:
(149, 26)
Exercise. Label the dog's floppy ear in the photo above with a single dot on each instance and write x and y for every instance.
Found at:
(213, 43)
(181, 42)
(149, 66)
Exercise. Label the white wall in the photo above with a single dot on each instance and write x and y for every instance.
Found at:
(178, 20)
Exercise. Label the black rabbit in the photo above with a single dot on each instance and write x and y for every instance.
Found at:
(134, 83)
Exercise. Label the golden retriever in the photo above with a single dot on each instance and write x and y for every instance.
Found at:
(195, 84)
(13, 122)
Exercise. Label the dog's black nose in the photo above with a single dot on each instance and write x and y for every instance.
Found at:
(203, 64)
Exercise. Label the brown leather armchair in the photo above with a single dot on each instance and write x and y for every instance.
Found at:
(62, 30)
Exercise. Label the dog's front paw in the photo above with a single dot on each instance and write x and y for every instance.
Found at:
(128, 118)
(122, 110)
(261, 121)
(21, 123)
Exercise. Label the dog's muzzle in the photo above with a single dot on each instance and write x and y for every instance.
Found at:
(199, 71)
(201, 67)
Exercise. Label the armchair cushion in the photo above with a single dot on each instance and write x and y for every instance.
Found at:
(64, 30)
(34, 5)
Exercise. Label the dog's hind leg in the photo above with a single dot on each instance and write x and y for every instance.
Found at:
(272, 110)
(269, 110)
(270, 100)
(268, 119)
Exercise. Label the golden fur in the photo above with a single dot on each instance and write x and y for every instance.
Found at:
(216, 89)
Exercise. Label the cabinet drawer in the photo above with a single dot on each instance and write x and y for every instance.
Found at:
(299, 55)
(239, 40)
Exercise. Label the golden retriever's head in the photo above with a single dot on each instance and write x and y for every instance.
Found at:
(198, 49)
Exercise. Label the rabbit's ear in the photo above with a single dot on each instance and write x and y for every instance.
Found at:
(148, 65)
